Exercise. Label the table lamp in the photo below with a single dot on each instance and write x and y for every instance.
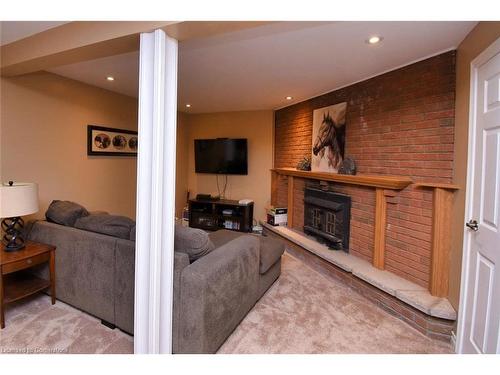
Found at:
(16, 200)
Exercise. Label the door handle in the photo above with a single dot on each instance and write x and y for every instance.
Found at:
(472, 224)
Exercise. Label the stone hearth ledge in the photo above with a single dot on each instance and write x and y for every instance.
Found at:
(404, 290)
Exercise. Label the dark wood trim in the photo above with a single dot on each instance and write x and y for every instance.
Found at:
(31, 249)
(16, 283)
(32, 261)
(21, 285)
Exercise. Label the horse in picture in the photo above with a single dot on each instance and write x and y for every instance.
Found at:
(328, 138)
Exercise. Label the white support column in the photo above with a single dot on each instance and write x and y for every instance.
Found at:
(155, 193)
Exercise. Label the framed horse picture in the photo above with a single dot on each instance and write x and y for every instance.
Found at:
(328, 138)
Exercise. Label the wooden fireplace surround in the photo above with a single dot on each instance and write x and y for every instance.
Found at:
(386, 187)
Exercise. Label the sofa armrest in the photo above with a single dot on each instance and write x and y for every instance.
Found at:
(85, 267)
(181, 261)
(217, 291)
(124, 285)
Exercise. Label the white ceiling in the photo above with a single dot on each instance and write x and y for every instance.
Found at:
(256, 68)
(10, 31)
(123, 68)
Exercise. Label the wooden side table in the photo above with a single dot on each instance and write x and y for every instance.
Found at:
(15, 284)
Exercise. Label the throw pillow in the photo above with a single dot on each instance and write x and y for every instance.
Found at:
(194, 242)
(112, 225)
(65, 212)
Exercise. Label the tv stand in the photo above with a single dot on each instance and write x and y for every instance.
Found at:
(220, 214)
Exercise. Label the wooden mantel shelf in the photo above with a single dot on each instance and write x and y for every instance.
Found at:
(376, 181)
(439, 185)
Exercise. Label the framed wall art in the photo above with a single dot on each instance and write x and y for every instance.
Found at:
(328, 138)
(111, 142)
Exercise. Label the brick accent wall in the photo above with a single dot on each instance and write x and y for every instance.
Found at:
(398, 123)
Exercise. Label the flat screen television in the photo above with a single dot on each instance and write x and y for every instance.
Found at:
(221, 156)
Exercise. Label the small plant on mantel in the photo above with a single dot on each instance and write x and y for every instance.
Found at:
(304, 164)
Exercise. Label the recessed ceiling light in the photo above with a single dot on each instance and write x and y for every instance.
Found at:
(188, 105)
(374, 39)
(110, 78)
(289, 97)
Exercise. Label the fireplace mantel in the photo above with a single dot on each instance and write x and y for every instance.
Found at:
(376, 181)
(385, 186)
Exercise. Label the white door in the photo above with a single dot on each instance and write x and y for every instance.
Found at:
(480, 304)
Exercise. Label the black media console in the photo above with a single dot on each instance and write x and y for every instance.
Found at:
(220, 214)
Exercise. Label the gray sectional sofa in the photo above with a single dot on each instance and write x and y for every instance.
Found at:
(214, 289)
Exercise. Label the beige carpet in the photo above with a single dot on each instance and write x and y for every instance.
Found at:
(305, 312)
(35, 326)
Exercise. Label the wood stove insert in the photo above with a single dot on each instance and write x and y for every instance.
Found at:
(327, 217)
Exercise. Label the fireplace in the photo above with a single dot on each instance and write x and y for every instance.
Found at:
(327, 217)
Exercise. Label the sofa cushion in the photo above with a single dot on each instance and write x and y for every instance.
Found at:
(271, 250)
(112, 225)
(132, 234)
(191, 241)
(65, 212)
(223, 236)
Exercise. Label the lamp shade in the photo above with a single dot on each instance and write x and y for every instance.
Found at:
(18, 199)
